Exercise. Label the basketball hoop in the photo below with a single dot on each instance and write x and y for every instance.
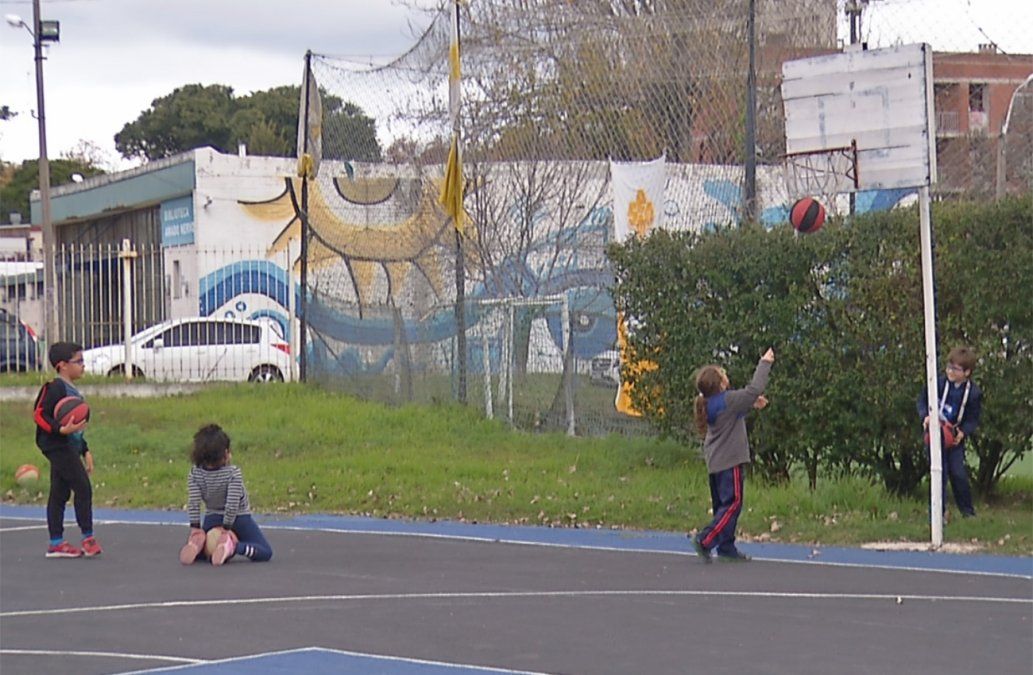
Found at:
(822, 173)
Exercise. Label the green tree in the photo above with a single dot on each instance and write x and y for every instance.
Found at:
(843, 310)
(267, 121)
(983, 262)
(14, 196)
(190, 117)
(348, 133)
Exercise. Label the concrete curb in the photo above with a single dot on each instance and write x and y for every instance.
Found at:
(140, 390)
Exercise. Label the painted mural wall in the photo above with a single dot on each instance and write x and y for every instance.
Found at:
(382, 254)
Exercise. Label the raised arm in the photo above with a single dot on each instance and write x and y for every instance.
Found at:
(741, 400)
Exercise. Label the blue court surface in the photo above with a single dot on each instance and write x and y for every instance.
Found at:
(360, 595)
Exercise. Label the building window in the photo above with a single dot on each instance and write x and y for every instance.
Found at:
(944, 91)
(977, 96)
(978, 120)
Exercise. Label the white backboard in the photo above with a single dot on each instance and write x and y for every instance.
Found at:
(880, 99)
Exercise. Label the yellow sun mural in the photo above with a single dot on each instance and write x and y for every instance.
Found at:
(419, 238)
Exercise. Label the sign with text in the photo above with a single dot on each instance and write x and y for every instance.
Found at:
(177, 221)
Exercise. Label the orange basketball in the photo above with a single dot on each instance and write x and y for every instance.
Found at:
(807, 215)
(71, 410)
(212, 540)
(26, 474)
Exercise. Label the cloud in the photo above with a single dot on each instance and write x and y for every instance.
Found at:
(116, 56)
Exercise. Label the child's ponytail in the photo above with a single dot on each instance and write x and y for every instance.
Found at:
(709, 381)
(701, 415)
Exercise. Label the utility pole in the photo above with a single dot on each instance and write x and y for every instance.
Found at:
(43, 31)
(853, 10)
(750, 187)
(49, 236)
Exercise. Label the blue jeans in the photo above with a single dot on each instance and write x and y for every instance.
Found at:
(726, 496)
(251, 542)
(955, 470)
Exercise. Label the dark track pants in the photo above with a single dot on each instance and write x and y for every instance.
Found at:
(68, 476)
(955, 470)
(726, 495)
(251, 542)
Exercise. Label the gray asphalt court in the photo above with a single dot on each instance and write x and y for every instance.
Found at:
(353, 595)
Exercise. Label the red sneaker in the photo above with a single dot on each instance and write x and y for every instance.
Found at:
(90, 547)
(195, 544)
(225, 548)
(63, 550)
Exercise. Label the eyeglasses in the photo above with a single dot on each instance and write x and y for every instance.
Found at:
(76, 361)
(955, 368)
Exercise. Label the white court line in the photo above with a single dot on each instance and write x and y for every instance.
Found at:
(579, 546)
(628, 549)
(379, 657)
(514, 594)
(24, 527)
(118, 655)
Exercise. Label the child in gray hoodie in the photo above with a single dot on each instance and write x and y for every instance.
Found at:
(720, 418)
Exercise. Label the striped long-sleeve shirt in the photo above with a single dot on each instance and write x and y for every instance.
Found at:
(222, 491)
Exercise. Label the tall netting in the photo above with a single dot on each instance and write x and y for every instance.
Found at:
(555, 95)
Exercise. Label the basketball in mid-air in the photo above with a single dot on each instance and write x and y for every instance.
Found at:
(26, 474)
(212, 540)
(807, 215)
(71, 410)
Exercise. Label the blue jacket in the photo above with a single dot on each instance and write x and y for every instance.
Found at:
(950, 408)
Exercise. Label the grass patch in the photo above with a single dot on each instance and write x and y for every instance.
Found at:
(306, 450)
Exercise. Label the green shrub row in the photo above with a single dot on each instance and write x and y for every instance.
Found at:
(843, 309)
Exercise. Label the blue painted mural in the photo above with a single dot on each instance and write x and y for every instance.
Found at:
(567, 261)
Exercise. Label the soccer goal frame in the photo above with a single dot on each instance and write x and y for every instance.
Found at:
(488, 329)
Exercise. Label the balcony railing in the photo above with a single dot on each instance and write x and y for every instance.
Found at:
(947, 122)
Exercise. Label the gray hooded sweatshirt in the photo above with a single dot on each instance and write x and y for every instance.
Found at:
(726, 444)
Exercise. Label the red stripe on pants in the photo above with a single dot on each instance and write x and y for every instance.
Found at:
(732, 509)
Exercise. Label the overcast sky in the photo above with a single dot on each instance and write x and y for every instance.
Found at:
(116, 56)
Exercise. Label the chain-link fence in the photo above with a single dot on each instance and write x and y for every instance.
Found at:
(228, 305)
(552, 93)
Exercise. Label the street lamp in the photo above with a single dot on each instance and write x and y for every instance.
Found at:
(43, 31)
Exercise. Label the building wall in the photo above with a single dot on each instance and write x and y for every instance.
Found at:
(229, 242)
(973, 92)
(1001, 74)
(239, 253)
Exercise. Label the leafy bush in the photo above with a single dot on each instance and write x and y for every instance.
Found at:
(843, 310)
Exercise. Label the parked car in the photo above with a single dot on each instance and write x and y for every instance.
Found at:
(19, 348)
(201, 349)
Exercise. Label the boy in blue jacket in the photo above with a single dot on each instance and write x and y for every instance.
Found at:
(960, 406)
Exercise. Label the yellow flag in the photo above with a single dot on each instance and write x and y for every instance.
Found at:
(451, 197)
(310, 125)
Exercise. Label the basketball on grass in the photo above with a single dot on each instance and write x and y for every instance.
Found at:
(26, 474)
(212, 540)
(71, 410)
(807, 215)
